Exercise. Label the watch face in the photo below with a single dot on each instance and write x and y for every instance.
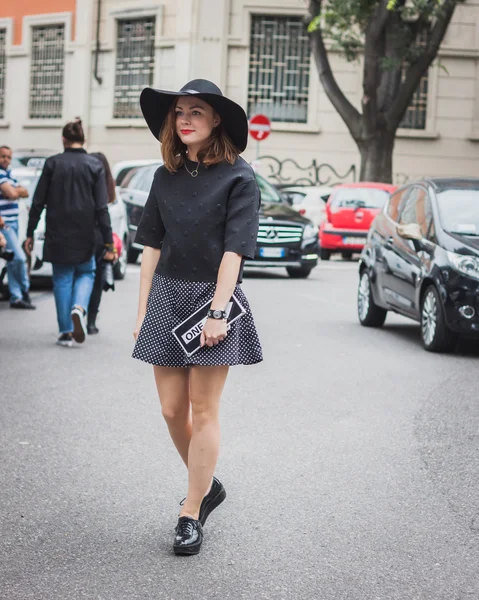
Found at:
(217, 314)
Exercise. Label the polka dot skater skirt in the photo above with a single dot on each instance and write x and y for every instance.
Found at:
(170, 302)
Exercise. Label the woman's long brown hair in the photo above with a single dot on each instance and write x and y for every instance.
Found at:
(216, 149)
(110, 182)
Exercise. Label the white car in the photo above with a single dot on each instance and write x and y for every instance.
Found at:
(122, 168)
(118, 218)
(309, 201)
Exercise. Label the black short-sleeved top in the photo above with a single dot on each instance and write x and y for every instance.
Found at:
(195, 220)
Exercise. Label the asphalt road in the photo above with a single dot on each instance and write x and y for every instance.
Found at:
(350, 458)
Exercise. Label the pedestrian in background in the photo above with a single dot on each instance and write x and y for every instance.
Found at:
(96, 294)
(199, 224)
(73, 190)
(17, 269)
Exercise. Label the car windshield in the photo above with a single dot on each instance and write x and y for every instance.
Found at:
(360, 197)
(295, 197)
(36, 162)
(459, 211)
(268, 192)
(15, 164)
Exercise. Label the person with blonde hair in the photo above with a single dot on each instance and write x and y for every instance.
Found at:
(199, 225)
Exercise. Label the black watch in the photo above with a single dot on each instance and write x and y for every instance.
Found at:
(218, 315)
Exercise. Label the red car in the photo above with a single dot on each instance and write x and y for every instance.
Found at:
(350, 211)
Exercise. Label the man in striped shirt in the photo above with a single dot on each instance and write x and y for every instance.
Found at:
(10, 193)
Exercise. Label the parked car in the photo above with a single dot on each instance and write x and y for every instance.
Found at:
(134, 191)
(285, 239)
(421, 260)
(29, 178)
(121, 169)
(31, 157)
(309, 201)
(350, 211)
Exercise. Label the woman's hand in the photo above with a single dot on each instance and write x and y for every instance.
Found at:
(109, 256)
(213, 332)
(139, 323)
(28, 246)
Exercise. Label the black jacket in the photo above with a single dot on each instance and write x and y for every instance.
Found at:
(72, 187)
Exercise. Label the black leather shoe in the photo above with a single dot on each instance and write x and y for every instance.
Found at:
(189, 536)
(22, 304)
(212, 500)
(92, 329)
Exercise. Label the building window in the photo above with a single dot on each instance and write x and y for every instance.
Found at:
(3, 34)
(47, 72)
(135, 62)
(279, 68)
(416, 113)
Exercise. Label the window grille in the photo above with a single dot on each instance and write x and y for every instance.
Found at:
(135, 62)
(416, 113)
(3, 34)
(47, 71)
(279, 68)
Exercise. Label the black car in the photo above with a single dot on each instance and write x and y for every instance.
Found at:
(421, 260)
(285, 238)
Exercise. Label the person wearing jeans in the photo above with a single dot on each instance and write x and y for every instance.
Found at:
(10, 193)
(72, 286)
(72, 187)
(18, 280)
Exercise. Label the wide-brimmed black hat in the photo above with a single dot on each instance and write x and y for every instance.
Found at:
(155, 105)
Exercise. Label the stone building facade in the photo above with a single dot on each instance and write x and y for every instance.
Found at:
(91, 58)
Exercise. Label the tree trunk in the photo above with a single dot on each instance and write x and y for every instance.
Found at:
(377, 157)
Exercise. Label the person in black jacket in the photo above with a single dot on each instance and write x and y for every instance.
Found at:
(72, 187)
(97, 292)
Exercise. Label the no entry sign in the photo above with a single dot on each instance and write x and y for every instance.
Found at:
(259, 127)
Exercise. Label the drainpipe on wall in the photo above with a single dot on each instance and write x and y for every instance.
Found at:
(97, 48)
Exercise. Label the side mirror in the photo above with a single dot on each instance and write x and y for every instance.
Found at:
(411, 231)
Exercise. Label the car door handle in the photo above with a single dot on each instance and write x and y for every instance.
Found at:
(389, 242)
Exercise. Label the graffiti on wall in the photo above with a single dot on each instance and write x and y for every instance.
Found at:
(288, 172)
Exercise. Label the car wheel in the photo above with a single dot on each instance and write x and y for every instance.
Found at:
(119, 269)
(324, 254)
(347, 255)
(132, 255)
(299, 272)
(369, 313)
(435, 334)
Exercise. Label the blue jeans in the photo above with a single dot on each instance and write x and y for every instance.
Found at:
(72, 286)
(18, 280)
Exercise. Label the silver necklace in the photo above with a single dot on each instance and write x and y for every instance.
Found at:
(193, 173)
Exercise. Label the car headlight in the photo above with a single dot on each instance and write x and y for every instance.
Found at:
(467, 265)
(310, 231)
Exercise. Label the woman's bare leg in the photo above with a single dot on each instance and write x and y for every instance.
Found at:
(206, 387)
(172, 384)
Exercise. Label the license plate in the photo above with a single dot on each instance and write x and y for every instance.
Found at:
(272, 252)
(354, 241)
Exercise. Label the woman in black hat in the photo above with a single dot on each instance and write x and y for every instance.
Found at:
(199, 224)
